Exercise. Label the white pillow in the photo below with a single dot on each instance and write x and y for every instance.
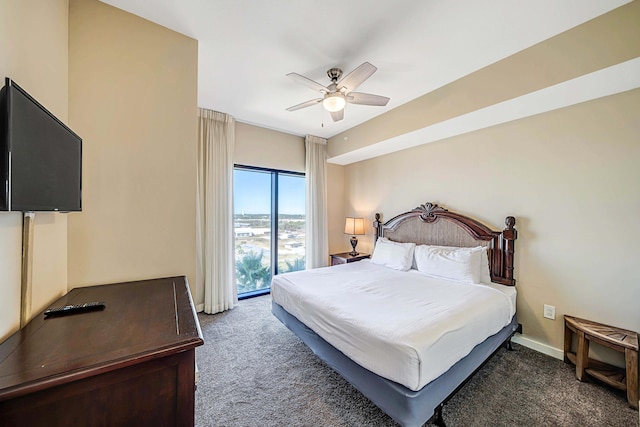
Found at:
(485, 275)
(396, 255)
(459, 264)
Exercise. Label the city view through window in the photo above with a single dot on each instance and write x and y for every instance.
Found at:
(264, 246)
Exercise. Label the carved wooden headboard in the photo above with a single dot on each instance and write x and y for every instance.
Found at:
(429, 224)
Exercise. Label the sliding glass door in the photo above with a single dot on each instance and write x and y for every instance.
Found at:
(291, 223)
(252, 229)
(269, 225)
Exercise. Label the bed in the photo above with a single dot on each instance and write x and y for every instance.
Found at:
(410, 326)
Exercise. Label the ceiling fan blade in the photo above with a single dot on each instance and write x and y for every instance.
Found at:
(305, 104)
(355, 78)
(308, 82)
(366, 99)
(337, 115)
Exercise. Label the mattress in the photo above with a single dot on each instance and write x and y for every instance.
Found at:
(403, 326)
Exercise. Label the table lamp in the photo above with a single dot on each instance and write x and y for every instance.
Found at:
(354, 226)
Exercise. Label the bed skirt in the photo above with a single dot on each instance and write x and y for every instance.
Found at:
(409, 408)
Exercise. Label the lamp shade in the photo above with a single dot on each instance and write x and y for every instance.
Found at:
(354, 226)
(334, 102)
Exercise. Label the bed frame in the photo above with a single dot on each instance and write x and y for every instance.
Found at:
(426, 224)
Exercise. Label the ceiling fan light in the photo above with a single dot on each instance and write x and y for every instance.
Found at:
(333, 102)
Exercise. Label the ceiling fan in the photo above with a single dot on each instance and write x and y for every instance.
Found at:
(340, 91)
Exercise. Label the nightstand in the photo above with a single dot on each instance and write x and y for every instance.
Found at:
(344, 258)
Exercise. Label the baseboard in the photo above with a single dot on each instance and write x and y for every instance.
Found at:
(199, 307)
(538, 346)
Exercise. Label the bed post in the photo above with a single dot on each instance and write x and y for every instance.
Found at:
(509, 235)
(377, 226)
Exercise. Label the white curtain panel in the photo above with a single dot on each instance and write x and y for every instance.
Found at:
(215, 239)
(317, 240)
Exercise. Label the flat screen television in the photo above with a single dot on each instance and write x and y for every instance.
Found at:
(40, 157)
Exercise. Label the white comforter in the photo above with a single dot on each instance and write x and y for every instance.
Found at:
(404, 326)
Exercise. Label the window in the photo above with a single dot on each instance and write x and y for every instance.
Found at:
(269, 226)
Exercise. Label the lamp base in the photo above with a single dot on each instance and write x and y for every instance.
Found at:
(354, 243)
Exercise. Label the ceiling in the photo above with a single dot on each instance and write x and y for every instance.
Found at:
(246, 48)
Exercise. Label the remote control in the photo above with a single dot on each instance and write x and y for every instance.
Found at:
(71, 309)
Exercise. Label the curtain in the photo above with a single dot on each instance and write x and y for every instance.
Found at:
(214, 211)
(317, 241)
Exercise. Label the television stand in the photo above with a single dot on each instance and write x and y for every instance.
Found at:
(130, 364)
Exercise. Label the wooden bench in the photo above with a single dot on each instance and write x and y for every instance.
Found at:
(617, 339)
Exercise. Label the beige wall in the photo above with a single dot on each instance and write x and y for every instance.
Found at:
(569, 176)
(34, 52)
(338, 242)
(266, 148)
(133, 99)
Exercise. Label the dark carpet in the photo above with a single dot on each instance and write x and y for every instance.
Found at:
(254, 372)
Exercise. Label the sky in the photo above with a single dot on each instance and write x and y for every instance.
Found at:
(252, 193)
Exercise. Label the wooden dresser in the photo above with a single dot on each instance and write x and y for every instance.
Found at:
(131, 364)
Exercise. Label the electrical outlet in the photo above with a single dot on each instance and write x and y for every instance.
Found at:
(550, 312)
